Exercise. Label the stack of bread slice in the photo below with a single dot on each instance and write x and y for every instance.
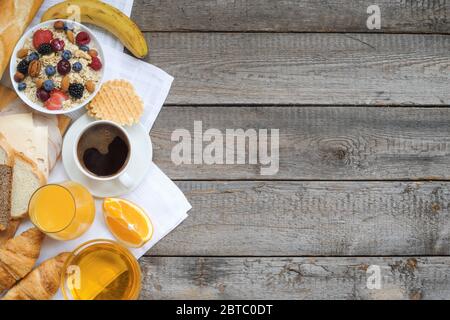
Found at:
(22, 178)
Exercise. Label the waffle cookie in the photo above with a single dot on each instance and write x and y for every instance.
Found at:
(117, 101)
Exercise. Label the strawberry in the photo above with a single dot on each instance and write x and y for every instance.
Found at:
(59, 94)
(57, 97)
(53, 103)
(42, 36)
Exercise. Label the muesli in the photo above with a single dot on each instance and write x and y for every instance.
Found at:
(58, 67)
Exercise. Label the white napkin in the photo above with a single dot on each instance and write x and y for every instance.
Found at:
(158, 195)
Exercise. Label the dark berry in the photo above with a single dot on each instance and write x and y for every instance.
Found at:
(22, 67)
(82, 38)
(48, 85)
(50, 71)
(57, 45)
(22, 86)
(45, 49)
(64, 67)
(42, 94)
(76, 90)
(33, 56)
(67, 55)
(84, 48)
(77, 66)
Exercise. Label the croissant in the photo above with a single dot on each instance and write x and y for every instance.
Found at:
(42, 283)
(18, 256)
(10, 231)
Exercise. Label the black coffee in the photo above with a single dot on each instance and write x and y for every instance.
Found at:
(103, 150)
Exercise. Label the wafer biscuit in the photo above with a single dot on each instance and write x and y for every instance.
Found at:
(117, 101)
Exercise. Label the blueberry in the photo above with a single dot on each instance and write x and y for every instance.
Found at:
(48, 85)
(77, 67)
(84, 48)
(22, 86)
(50, 70)
(67, 55)
(33, 56)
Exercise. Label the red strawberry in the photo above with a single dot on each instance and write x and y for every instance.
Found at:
(54, 103)
(59, 94)
(57, 97)
(96, 64)
(41, 37)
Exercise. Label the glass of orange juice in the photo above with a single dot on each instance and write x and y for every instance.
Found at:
(62, 211)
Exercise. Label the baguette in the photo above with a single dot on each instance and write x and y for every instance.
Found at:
(15, 16)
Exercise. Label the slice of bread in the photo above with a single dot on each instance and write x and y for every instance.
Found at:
(26, 180)
(6, 152)
(6, 174)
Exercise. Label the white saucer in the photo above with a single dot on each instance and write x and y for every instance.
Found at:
(139, 162)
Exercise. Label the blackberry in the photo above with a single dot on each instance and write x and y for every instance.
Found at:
(76, 90)
(45, 49)
(22, 67)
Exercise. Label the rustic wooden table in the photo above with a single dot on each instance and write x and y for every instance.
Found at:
(364, 148)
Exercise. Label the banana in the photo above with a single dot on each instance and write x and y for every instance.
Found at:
(105, 16)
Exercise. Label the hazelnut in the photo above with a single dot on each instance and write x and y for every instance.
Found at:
(34, 69)
(39, 83)
(93, 53)
(22, 53)
(59, 25)
(90, 86)
(18, 77)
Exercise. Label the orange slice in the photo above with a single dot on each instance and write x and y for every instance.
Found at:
(129, 223)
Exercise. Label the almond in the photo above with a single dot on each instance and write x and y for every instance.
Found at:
(34, 69)
(18, 77)
(90, 86)
(70, 36)
(65, 83)
(39, 83)
(22, 53)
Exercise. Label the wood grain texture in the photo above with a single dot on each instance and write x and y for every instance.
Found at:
(401, 16)
(294, 278)
(312, 218)
(311, 69)
(333, 143)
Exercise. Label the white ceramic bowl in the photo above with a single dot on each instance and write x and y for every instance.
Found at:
(29, 34)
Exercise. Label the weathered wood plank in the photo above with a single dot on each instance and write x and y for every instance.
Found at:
(312, 218)
(416, 16)
(294, 278)
(333, 143)
(311, 69)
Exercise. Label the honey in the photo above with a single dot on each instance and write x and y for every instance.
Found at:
(102, 270)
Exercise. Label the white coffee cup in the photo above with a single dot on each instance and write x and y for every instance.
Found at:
(122, 176)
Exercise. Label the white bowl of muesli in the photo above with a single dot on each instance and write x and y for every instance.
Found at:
(57, 67)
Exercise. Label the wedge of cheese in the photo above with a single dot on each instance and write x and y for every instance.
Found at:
(26, 138)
